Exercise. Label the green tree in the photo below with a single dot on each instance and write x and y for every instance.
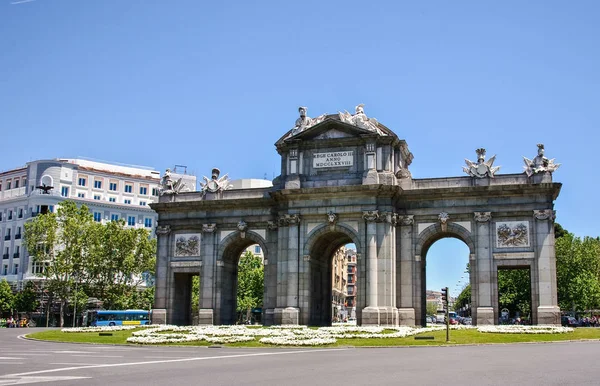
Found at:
(6, 297)
(514, 291)
(62, 242)
(578, 272)
(559, 231)
(463, 298)
(250, 283)
(432, 308)
(26, 299)
(195, 294)
(119, 259)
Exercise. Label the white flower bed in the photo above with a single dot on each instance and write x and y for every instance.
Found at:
(294, 335)
(517, 329)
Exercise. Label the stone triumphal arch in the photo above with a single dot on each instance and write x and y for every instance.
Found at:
(345, 178)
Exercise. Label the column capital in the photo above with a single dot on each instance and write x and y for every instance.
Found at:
(407, 219)
(289, 219)
(272, 225)
(544, 214)
(482, 216)
(162, 230)
(371, 215)
(209, 228)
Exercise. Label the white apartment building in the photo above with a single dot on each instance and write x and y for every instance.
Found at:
(110, 191)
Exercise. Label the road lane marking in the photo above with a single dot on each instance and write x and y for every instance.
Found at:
(24, 380)
(172, 361)
(98, 356)
(8, 358)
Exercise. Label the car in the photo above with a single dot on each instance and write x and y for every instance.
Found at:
(569, 321)
(430, 319)
(467, 321)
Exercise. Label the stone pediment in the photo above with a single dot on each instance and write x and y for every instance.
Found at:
(330, 128)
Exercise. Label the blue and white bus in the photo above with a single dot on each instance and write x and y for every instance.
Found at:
(118, 318)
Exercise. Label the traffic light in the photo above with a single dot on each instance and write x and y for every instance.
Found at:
(445, 297)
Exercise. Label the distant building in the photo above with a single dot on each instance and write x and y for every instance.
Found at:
(352, 287)
(339, 282)
(111, 192)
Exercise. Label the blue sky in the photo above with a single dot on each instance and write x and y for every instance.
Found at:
(208, 84)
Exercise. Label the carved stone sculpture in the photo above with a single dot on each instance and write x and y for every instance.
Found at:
(215, 184)
(443, 218)
(407, 220)
(332, 217)
(371, 215)
(162, 230)
(242, 226)
(539, 164)
(168, 186)
(360, 119)
(209, 228)
(544, 214)
(304, 121)
(481, 168)
(482, 216)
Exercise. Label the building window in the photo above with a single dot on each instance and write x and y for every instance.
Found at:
(127, 201)
(0, 186)
(112, 199)
(114, 217)
(257, 249)
(81, 181)
(81, 195)
(64, 191)
(148, 222)
(113, 186)
(51, 208)
(16, 184)
(155, 191)
(8, 183)
(5, 270)
(143, 190)
(143, 203)
(18, 234)
(131, 221)
(98, 216)
(97, 184)
(24, 181)
(10, 214)
(15, 269)
(38, 267)
(20, 213)
(96, 197)
(0, 216)
(128, 188)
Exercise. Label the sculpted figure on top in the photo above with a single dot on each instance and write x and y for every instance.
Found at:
(361, 120)
(304, 121)
(168, 186)
(215, 184)
(539, 164)
(482, 168)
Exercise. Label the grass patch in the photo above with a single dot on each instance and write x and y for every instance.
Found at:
(456, 337)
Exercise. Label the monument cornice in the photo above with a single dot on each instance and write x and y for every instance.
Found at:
(334, 191)
(550, 189)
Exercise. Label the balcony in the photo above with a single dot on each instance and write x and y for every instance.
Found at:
(16, 255)
(17, 236)
(5, 256)
(7, 237)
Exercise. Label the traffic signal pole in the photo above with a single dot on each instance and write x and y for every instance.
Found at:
(445, 301)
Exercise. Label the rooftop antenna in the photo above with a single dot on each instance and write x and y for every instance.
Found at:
(180, 166)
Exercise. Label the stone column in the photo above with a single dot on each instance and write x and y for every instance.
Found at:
(386, 288)
(159, 312)
(370, 314)
(548, 311)
(291, 313)
(208, 281)
(484, 274)
(405, 283)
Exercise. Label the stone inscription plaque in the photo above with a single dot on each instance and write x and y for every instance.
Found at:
(333, 159)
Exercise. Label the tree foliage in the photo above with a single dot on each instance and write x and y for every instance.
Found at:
(26, 299)
(250, 283)
(6, 297)
(432, 307)
(103, 261)
(514, 290)
(578, 272)
(463, 299)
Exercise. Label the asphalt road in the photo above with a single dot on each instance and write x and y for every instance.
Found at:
(29, 362)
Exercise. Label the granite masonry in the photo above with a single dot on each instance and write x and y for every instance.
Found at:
(345, 179)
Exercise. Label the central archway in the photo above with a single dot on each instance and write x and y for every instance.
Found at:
(322, 244)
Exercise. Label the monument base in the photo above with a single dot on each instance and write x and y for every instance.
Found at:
(287, 316)
(205, 316)
(269, 317)
(406, 317)
(380, 316)
(548, 315)
(158, 316)
(485, 316)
